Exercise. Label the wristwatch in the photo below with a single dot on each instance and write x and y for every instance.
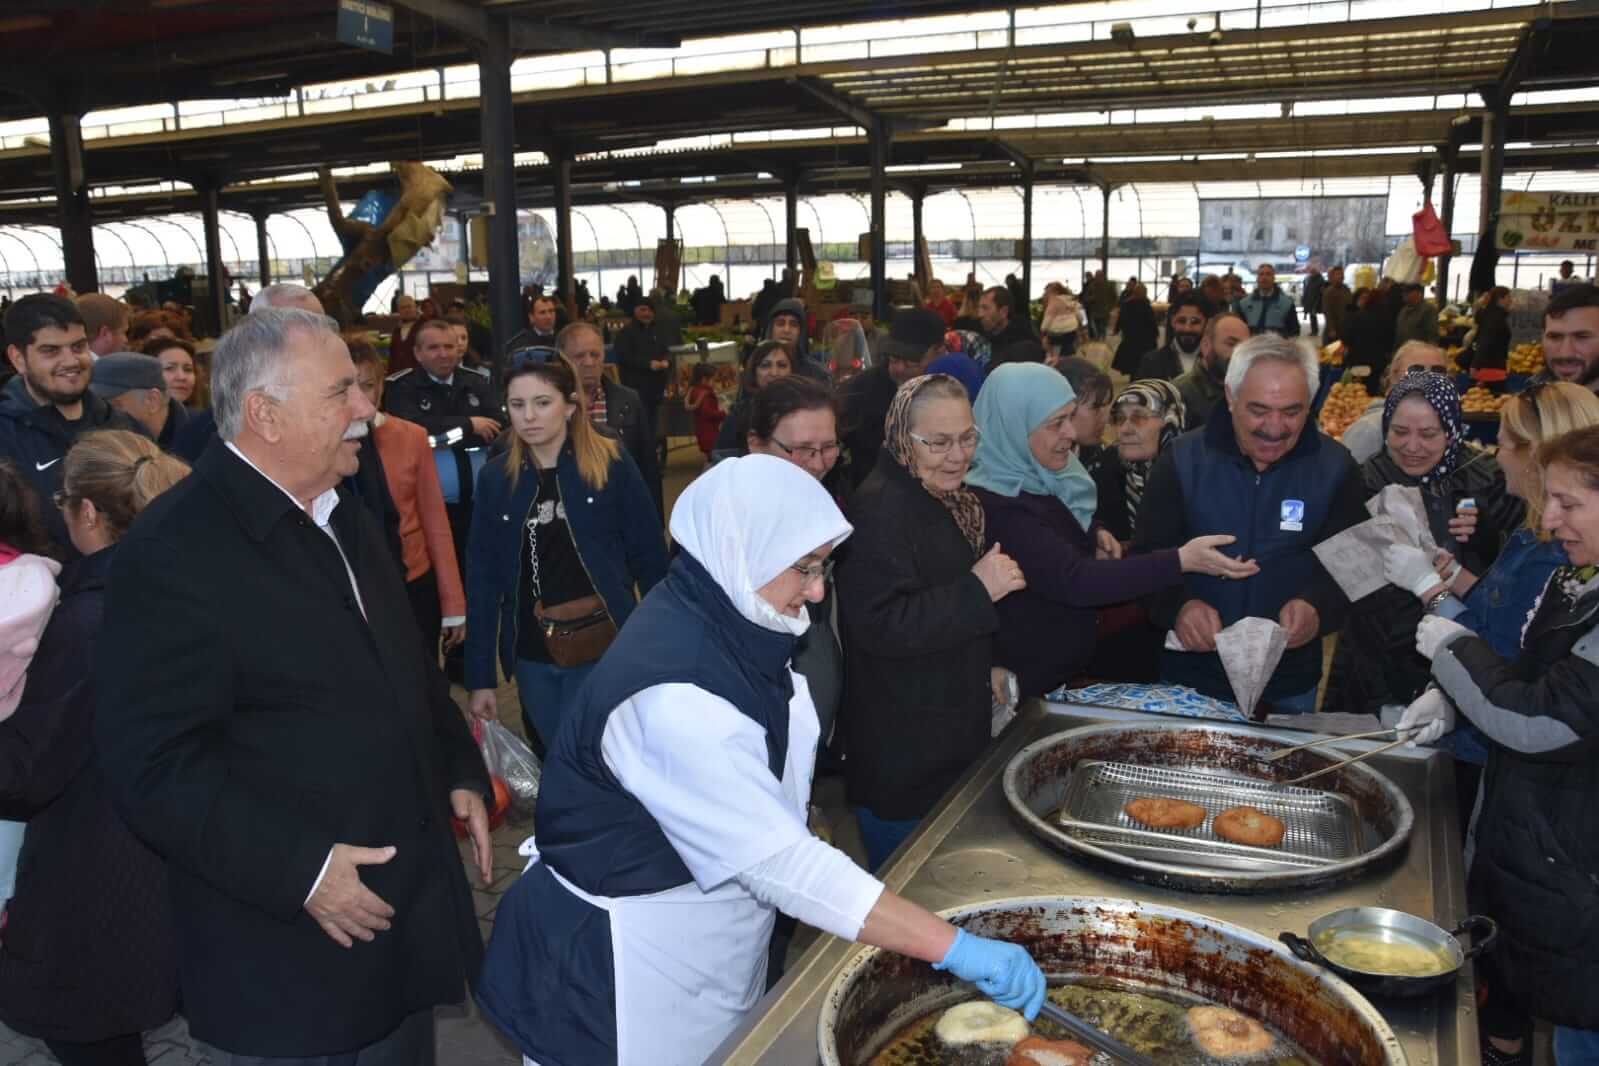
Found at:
(1432, 603)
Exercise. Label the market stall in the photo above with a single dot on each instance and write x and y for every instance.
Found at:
(975, 849)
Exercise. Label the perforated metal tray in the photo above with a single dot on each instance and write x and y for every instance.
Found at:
(1320, 828)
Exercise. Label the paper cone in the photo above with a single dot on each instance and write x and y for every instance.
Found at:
(1354, 557)
(1250, 650)
(1403, 503)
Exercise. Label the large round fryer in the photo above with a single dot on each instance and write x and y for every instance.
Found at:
(1036, 779)
(1136, 945)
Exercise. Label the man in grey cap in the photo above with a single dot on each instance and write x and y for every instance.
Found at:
(133, 384)
(915, 339)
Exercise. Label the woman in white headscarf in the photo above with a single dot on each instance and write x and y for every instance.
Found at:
(672, 816)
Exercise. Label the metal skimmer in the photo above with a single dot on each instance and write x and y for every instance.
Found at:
(1321, 828)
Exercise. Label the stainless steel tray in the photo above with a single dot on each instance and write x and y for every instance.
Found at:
(1321, 828)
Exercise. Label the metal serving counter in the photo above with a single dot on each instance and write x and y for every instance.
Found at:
(970, 849)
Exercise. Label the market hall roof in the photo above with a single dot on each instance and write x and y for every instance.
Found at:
(948, 108)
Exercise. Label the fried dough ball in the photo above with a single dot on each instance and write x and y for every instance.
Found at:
(980, 1022)
(1160, 813)
(1249, 825)
(1223, 1033)
(1036, 1051)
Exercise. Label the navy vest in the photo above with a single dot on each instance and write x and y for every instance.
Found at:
(1278, 516)
(591, 830)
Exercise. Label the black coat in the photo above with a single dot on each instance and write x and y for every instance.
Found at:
(917, 627)
(1139, 332)
(637, 346)
(624, 413)
(1376, 661)
(1536, 865)
(1492, 346)
(88, 951)
(1368, 340)
(866, 399)
(249, 718)
(1163, 363)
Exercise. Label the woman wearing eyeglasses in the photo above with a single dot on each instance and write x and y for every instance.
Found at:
(671, 823)
(1470, 513)
(916, 600)
(563, 530)
(1040, 504)
(88, 960)
(765, 363)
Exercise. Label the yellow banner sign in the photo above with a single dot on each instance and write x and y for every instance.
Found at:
(1549, 221)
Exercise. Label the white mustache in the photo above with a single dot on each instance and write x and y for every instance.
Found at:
(357, 431)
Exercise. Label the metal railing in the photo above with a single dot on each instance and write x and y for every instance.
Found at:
(996, 30)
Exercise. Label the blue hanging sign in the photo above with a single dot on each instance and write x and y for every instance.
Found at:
(366, 24)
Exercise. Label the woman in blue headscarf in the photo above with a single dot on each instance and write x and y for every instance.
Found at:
(1039, 503)
(1470, 514)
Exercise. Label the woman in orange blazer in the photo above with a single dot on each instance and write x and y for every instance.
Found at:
(432, 575)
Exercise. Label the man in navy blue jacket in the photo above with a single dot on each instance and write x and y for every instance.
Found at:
(1255, 471)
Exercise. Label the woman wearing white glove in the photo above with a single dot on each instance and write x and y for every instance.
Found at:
(1535, 866)
(1427, 719)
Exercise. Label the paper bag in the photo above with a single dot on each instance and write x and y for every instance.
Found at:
(1403, 503)
(1250, 650)
(1354, 557)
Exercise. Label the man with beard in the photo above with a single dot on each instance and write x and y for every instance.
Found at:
(1261, 471)
(48, 405)
(1201, 386)
(1570, 337)
(1185, 331)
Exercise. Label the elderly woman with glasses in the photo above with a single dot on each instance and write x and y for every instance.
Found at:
(917, 595)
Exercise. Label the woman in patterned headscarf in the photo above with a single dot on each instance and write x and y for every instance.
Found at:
(916, 597)
(1148, 416)
(1470, 513)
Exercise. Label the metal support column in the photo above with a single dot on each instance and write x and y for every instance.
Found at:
(1493, 174)
(72, 202)
(919, 237)
(263, 249)
(215, 277)
(879, 167)
(1104, 246)
(791, 223)
(1447, 216)
(499, 187)
(1027, 233)
(671, 220)
(565, 285)
(465, 223)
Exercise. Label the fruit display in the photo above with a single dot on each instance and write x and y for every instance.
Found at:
(1452, 357)
(1333, 354)
(1525, 358)
(1346, 402)
(1479, 401)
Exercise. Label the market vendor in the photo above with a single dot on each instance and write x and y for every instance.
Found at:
(672, 815)
(1534, 845)
(1254, 471)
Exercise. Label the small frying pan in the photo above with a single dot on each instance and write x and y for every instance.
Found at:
(1398, 927)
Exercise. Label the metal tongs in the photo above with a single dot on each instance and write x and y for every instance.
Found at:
(1095, 1038)
(1362, 757)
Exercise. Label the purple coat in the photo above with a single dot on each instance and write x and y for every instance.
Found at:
(1046, 631)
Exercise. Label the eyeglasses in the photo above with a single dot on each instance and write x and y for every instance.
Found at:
(942, 445)
(1135, 415)
(806, 453)
(823, 570)
(61, 497)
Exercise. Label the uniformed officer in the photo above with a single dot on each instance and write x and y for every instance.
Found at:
(457, 406)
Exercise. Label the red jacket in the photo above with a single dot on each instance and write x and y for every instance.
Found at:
(425, 540)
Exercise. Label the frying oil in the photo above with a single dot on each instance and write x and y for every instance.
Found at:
(1150, 1022)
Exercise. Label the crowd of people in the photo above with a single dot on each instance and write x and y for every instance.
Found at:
(239, 799)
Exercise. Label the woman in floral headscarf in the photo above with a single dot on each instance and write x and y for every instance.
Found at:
(1470, 513)
(1148, 416)
(916, 599)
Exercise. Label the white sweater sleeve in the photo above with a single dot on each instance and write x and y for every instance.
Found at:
(816, 883)
(700, 768)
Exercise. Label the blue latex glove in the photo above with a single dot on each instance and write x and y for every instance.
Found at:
(1003, 972)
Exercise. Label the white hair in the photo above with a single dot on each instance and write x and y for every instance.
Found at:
(251, 357)
(1276, 349)
(284, 294)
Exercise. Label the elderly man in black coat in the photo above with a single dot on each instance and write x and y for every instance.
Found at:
(270, 723)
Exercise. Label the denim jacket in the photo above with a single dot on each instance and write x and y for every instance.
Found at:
(616, 531)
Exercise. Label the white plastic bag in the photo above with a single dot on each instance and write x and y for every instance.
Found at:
(508, 757)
